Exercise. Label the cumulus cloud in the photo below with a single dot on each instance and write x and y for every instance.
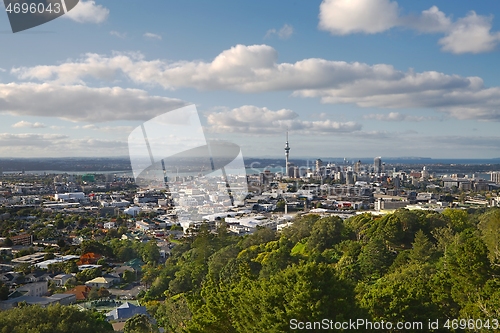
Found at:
(470, 34)
(121, 35)
(88, 12)
(150, 35)
(342, 17)
(249, 119)
(23, 123)
(81, 103)
(255, 68)
(284, 33)
(431, 20)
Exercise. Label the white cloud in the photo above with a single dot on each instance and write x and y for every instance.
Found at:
(342, 17)
(470, 34)
(249, 119)
(29, 139)
(88, 12)
(81, 103)
(255, 68)
(42, 145)
(121, 35)
(150, 35)
(431, 20)
(397, 116)
(284, 33)
(2, 70)
(23, 123)
(116, 129)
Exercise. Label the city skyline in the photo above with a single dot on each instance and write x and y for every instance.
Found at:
(354, 79)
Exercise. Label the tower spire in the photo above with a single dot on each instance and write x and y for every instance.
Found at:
(287, 154)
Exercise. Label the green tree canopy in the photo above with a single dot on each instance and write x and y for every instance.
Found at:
(52, 319)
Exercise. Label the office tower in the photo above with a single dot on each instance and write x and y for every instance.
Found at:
(377, 165)
(319, 167)
(357, 166)
(495, 177)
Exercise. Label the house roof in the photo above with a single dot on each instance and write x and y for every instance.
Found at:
(135, 263)
(122, 269)
(80, 292)
(100, 279)
(125, 311)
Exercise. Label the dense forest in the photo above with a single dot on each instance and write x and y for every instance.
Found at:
(406, 266)
(53, 319)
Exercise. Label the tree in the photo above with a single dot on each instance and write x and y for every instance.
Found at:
(8, 242)
(305, 292)
(325, 233)
(61, 243)
(4, 292)
(52, 319)
(71, 267)
(422, 248)
(401, 296)
(70, 283)
(128, 276)
(93, 293)
(490, 231)
(139, 324)
(151, 252)
(374, 259)
(459, 219)
(173, 314)
(103, 292)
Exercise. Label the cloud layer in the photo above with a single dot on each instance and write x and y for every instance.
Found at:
(27, 124)
(42, 145)
(249, 119)
(81, 103)
(255, 68)
(469, 34)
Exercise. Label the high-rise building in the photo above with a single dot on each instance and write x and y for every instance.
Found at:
(319, 167)
(377, 165)
(495, 177)
(425, 173)
(357, 166)
(287, 154)
(349, 179)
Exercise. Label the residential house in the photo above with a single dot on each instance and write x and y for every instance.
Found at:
(125, 311)
(36, 289)
(60, 280)
(81, 292)
(64, 299)
(100, 282)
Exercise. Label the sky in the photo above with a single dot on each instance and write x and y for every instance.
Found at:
(346, 78)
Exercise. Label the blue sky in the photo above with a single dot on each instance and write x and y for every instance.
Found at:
(348, 78)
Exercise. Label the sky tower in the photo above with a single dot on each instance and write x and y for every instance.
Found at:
(287, 154)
